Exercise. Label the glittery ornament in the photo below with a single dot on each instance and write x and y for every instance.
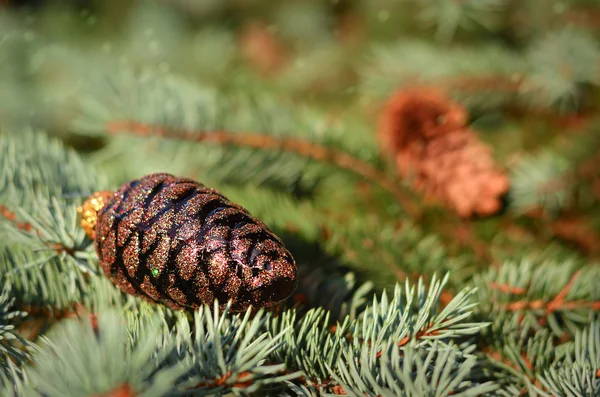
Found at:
(177, 242)
(89, 211)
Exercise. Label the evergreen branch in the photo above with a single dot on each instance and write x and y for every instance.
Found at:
(535, 365)
(311, 345)
(533, 295)
(297, 146)
(41, 278)
(449, 15)
(534, 183)
(14, 350)
(496, 357)
(12, 380)
(490, 68)
(228, 354)
(12, 217)
(522, 358)
(563, 63)
(439, 370)
(416, 318)
(403, 251)
(82, 358)
(577, 371)
(319, 350)
(558, 303)
(150, 105)
(35, 191)
(28, 228)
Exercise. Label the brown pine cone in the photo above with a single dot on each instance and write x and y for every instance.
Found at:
(177, 242)
(425, 133)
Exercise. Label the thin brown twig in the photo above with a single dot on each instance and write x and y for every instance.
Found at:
(508, 288)
(557, 303)
(559, 300)
(12, 217)
(124, 390)
(28, 227)
(424, 332)
(512, 84)
(222, 380)
(299, 146)
(495, 355)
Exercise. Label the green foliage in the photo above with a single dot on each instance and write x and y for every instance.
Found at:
(576, 371)
(144, 87)
(438, 370)
(449, 15)
(536, 182)
(562, 65)
(224, 353)
(13, 348)
(518, 293)
(104, 358)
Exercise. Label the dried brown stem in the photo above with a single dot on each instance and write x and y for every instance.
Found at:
(298, 146)
(122, 391)
(497, 356)
(508, 288)
(558, 303)
(27, 227)
(222, 380)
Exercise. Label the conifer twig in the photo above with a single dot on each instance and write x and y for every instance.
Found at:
(298, 146)
(558, 303)
(495, 355)
(28, 227)
(12, 217)
(497, 83)
(122, 391)
(222, 380)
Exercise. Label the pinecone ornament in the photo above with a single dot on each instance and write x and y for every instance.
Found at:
(426, 135)
(177, 242)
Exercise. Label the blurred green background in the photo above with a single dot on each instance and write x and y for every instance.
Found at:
(527, 72)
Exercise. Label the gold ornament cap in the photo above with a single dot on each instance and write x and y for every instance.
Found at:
(89, 211)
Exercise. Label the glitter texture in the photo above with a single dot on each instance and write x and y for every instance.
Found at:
(177, 242)
(89, 211)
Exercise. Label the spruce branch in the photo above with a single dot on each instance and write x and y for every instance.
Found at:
(297, 146)
(450, 15)
(322, 352)
(439, 369)
(562, 64)
(175, 110)
(41, 278)
(520, 360)
(480, 76)
(534, 183)
(415, 317)
(39, 179)
(226, 353)
(404, 251)
(86, 358)
(14, 350)
(12, 380)
(312, 345)
(577, 371)
(44, 254)
(542, 296)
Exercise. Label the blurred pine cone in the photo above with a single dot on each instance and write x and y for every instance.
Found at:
(262, 49)
(425, 133)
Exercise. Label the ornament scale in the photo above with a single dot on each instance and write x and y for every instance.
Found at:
(177, 242)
